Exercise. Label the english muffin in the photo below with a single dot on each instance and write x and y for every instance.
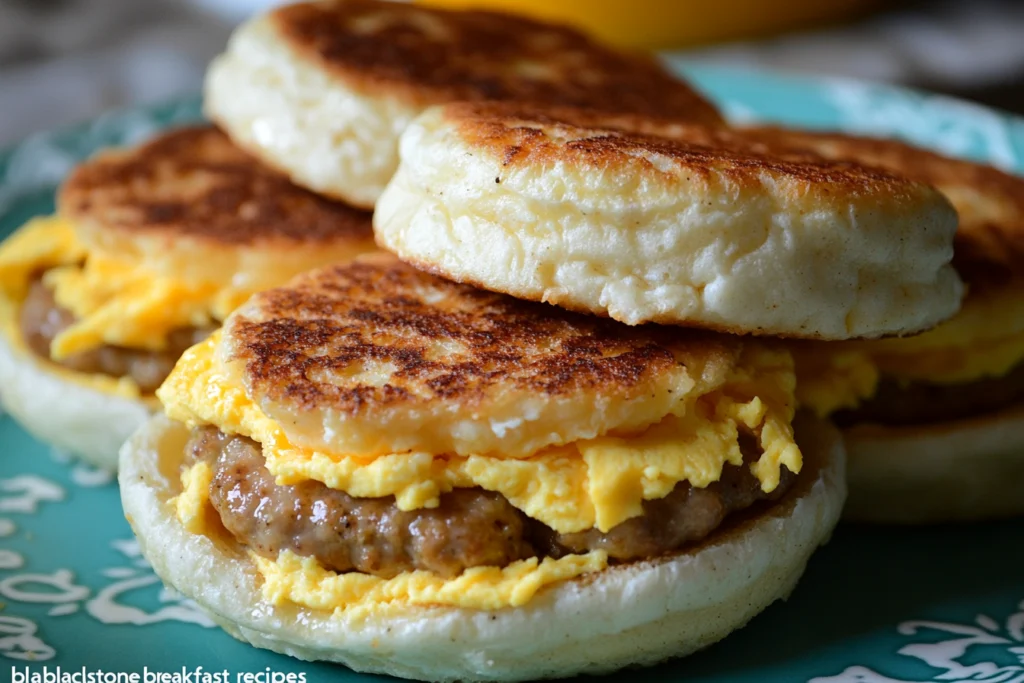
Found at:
(654, 221)
(322, 90)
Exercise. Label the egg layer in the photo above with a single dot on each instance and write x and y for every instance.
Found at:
(116, 302)
(596, 483)
(124, 387)
(42, 243)
(986, 339)
(300, 580)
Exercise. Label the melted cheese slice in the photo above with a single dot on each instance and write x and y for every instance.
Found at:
(985, 339)
(597, 483)
(116, 302)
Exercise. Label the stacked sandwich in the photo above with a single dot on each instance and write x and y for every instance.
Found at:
(149, 251)
(553, 428)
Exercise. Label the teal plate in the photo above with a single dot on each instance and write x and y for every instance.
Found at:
(876, 605)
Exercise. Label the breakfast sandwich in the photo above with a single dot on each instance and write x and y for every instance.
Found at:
(934, 423)
(322, 90)
(149, 251)
(376, 466)
(648, 221)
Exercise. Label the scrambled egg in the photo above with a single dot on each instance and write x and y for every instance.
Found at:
(40, 244)
(985, 339)
(120, 304)
(44, 241)
(124, 387)
(831, 379)
(302, 581)
(192, 505)
(116, 302)
(596, 483)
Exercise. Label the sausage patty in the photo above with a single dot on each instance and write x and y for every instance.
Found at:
(42, 319)
(911, 403)
(470, 528)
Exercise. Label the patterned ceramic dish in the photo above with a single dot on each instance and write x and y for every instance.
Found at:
(876, 605)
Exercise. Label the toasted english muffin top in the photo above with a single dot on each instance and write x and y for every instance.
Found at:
(648, 220)
(430, 56)
(194, 183)
(385, 358)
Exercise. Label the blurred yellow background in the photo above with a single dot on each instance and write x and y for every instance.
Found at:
(663, 24)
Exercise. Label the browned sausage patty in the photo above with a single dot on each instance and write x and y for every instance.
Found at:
(470, 527)
(911, 403)
(42, 319)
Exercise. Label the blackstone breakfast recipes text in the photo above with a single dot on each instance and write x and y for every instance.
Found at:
(184, 675)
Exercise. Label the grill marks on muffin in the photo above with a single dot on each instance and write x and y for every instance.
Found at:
(195, 183)
(430, 56)
(521, 135)
(362, 335)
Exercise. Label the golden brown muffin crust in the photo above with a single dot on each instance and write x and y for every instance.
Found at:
(193, 182)
(379, 332)
(528, 135)
(430, 56)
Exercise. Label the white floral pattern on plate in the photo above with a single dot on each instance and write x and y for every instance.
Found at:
(19, 639)
(994, 640)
